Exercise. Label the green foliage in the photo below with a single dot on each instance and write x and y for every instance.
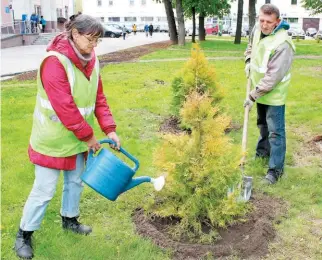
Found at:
(199, 168)
(206, 7)
(202, 165)
(197, 76)
(314, 5)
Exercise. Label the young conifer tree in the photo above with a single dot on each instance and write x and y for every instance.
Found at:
(196, 75)
(199, 167)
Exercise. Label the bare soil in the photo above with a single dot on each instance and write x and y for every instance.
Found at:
(248, 240)
(310, 151)
(171, 125)
(126, 55)
(133, 54)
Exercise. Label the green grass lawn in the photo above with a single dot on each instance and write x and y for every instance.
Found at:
(226, 48)
(139, 105)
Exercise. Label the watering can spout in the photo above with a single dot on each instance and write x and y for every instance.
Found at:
(136, 181)
(158, 183)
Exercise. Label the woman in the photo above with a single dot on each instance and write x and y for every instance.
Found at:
(69, 94)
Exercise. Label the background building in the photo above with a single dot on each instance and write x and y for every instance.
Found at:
(139, 12)
(291, 10)
(50, 9)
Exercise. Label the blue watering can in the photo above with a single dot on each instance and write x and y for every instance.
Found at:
(110, 176)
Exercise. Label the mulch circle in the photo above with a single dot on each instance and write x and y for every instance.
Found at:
(247, 240)
(133, 53)
(126, 55)
(171, 125)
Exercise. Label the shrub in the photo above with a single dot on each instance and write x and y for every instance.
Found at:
(200, 167)
(197, 76)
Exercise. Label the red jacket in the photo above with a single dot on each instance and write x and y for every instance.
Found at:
(56, 85)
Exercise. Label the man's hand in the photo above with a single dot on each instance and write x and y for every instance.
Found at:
(247, 69)
(93, 144)
(248, 103)
(113, 136)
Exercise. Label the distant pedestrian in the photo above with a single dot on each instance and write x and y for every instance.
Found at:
(134, 29)
(151, 30)
(33, 22)
(146, 29)
(124, 32)
(43, 23)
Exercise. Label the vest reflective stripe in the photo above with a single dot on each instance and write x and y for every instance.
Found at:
(83, 110)
(49, 136)
(262, 50)
(39, 116)
(286, 78)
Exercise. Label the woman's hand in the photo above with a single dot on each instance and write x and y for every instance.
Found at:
(113, 136)
(93, 144)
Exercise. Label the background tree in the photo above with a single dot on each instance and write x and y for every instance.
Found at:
(314, 5)
(209, 8)
(180, 18)
(239, 22)
(171, 21)
(204, 8)
(252, 15)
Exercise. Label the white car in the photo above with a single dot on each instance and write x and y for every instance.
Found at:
(189, 30)
(296, 31)
(311, 32)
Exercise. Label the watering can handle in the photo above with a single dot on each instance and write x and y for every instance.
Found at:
(132, 158)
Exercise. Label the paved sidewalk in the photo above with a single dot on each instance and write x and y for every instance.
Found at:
(26, 58)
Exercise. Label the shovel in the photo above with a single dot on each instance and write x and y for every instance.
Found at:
(247, 180)
(246, 185)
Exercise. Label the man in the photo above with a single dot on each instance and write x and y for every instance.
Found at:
(124, 31)
(43, 23)
(268, 58)
(146, 30)
(33, 22)
(151, 30)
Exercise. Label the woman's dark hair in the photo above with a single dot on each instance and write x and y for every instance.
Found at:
(84, 24)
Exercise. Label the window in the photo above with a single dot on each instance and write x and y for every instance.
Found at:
(143, 2)
(38, 10)
(131, 2)
(147, 19)
(267, 1)
(59, 12)
(99, 2)
(129, 19)
(294, 2)
(102, 19)
(66, 11)
(161, 19)
(110, 2)
(114, 19)
(292, 20)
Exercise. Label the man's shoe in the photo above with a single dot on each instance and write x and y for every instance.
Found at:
(73, 225)
(270, 178)
(273, 176)
(23, 245)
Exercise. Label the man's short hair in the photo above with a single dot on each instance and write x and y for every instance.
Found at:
(270, 9)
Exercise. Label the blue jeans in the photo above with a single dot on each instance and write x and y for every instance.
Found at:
(43, 191)
(272, 141)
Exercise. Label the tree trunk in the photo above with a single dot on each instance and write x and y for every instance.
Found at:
(180, 17)
(239, 22)
(193, 24)
(252, 15)
(171, 21)
(202, 32)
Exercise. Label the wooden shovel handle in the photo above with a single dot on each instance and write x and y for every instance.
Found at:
(245, 126)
